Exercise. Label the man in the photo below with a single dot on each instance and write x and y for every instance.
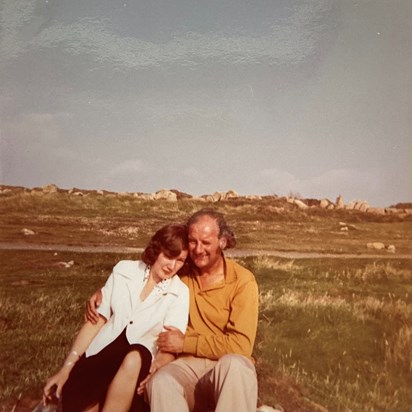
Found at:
(214, 368)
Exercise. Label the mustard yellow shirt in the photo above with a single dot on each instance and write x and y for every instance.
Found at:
(222, 318)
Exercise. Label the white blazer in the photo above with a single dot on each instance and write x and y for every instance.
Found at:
(168, 304)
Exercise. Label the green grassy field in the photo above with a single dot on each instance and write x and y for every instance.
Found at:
(332, 332)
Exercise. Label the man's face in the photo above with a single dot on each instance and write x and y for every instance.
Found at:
(204, 244)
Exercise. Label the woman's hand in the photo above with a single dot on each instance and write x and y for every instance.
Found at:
(92, 304)
(54, 385)
(161, 359)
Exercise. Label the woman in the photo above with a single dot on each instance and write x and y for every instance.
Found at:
(108, 360)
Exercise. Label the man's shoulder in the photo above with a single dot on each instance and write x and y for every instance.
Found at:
(240, 272)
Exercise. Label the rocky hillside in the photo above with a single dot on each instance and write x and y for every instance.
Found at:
(400, 210)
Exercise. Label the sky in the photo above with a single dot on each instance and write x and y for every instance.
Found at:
(311, 98)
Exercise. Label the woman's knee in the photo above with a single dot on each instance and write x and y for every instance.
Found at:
(132, 362)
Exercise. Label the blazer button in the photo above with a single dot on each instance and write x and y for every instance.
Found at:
(131, 322)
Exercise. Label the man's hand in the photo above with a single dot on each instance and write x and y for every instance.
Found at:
(91, 307)
(171, 341)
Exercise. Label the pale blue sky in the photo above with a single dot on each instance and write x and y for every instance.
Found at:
(263, 96)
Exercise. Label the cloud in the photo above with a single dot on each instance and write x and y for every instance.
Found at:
(128, 167)
(288, 40)
(34, 129)
(14, 14)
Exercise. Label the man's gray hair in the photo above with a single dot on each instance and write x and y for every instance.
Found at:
(224, 229)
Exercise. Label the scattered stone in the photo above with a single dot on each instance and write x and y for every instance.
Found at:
(65, 265)
(28, 232)
(391, 249)
(375, 245)
(266, 408)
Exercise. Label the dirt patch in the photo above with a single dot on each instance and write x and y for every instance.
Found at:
(228, 253)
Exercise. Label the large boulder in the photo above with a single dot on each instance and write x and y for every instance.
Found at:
(167, 195)
(339, 202)
(52, 188)
(325, 204)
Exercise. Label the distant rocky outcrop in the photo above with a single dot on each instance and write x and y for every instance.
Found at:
(282, 204)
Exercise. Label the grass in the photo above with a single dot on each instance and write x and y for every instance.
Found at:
(340, 329)
(270, 223)
(332, 332)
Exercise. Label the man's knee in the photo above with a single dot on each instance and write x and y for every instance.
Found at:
(236, 363)
(161, 379)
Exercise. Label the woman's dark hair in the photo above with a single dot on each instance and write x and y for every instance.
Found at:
(224, 229)
(170, 239)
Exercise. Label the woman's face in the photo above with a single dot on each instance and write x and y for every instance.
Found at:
(165, 267)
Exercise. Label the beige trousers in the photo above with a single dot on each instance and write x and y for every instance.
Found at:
(203, 385)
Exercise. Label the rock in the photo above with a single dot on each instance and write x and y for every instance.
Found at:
(349, 226)
(376, 210)
(364, 206)
(300, 204)
(50, 189)
(324, 203)
(375, 245)
(167, 195)
(231, 194)
(28, 232)
(339, 202)
(350, 205)
(393, 210)
(218, 196)
(266, 408)
(65, 265)
(391, 249)
(361, 205)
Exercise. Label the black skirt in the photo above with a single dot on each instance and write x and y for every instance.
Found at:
(90, 377)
